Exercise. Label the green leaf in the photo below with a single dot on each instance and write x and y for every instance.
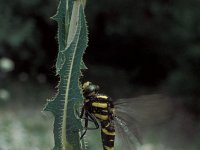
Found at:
(67, 128)
(62, 17)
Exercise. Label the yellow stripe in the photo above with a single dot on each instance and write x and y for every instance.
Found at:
(86, 84)
(100, 105)
(107, 132)
(86, 100)
(109, 148)
(102, 117)
(102, 96)
(105, 110)
(107, 125)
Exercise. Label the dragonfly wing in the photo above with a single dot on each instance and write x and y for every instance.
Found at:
(145, 110)
(125, 140)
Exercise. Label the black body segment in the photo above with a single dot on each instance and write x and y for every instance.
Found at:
(102, 108)
(108, 134)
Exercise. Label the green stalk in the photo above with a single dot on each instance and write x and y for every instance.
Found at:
(72, 40)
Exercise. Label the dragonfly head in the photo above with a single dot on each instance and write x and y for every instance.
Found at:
(89, 89)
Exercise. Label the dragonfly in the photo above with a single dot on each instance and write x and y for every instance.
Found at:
(119, 120)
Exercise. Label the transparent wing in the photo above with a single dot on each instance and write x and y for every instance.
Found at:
(134, 114)
(125, 140)
(145, 110)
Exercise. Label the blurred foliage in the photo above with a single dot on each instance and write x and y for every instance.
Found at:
(24, 129)
(22, 32)
(159, 38)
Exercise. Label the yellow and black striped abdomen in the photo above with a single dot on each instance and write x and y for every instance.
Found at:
(100, 108)
(108, 134)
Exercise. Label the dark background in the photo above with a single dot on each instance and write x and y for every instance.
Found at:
(135, 46)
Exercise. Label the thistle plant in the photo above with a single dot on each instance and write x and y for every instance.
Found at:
(72, 40)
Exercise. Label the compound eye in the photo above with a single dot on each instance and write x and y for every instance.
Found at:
(91, 88)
